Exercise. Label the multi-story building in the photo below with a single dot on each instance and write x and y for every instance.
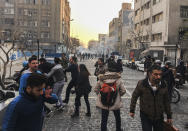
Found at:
(45, 20)
(125, 24)
(92, 44)
(113, 32)
(157, 24)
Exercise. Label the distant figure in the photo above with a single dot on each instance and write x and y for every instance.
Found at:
(100, 67)
(168, 77)
(147, 64)
(181, 69)
(119, 66)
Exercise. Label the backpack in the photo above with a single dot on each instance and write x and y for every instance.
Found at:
(108, 94)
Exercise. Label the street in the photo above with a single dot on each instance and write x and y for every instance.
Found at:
(62, 121)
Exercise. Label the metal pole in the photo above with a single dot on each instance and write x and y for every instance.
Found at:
(176, 54)
(38, 47)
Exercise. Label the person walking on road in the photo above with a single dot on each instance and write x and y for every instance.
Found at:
(119, 66)
(154, 100)
(147, 64)
(168, 77)
(110, 99)
(83, 88)
(57, 73)
(73, 68)
(100, 67)
(25, 112)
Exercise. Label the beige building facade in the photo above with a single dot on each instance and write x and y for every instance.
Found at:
(45, 20)
(158, 23)
(125, 23)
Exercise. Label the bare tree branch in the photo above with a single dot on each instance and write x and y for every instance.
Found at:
(2, 59)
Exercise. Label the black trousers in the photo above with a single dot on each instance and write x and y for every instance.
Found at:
(105, 114)
(78, 103)
(68, 90)
(148, 124)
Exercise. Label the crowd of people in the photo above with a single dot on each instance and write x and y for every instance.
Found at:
(44, 82)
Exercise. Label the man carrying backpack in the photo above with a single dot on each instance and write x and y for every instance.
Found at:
(109, 89)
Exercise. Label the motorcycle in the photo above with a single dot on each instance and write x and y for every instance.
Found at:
(175, 96)
(179, 80)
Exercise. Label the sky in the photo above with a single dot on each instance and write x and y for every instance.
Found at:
(92, 17)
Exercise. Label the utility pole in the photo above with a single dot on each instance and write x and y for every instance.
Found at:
(38, 48)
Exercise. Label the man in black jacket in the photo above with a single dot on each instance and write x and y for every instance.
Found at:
(73, 68)
(45, 67)
(168, 76)
(154, 100)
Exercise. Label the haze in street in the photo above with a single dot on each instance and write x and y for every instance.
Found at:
(91, 17)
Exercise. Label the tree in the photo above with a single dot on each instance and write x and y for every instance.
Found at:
(5, 61)
(138, 36)
(6, 48)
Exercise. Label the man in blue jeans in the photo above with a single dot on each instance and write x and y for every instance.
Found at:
(154, 100)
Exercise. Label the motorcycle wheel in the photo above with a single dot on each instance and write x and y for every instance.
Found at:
(175, 96)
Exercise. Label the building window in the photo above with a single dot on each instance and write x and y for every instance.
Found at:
(157, 37)
(146, 22)
(157, 18)
(146, 38)
(147, 5)
(156, 1)
(9, 21)
(136, 12)
(45, 2)
(25, 11)
(184, 11)
(45, 23)
(29, 1)
(45, 35)
(8, 11)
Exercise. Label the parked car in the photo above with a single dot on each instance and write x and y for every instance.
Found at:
(125, 62)
(140, 65)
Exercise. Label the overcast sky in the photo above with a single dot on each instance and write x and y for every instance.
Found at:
(92, 17)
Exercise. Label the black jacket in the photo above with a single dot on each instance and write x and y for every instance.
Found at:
(168, 76)
(152, 104)
(45, 67)
(73, 68)
(83, 84)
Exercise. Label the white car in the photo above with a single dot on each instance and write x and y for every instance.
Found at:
(125, 62)
(140, 66)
